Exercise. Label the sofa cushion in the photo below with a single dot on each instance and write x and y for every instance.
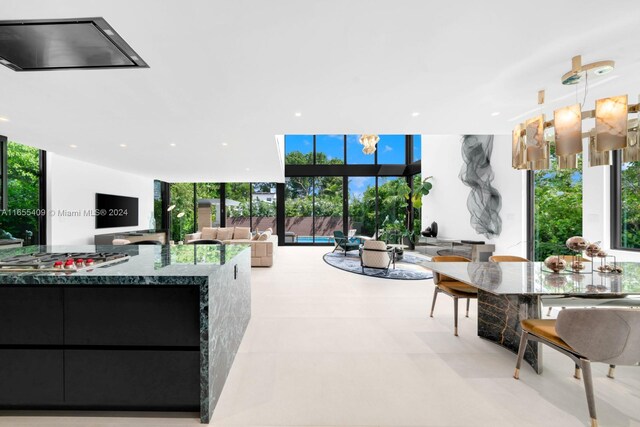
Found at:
(241, 233)
(255, 236)
(209, 233)
(225, 233)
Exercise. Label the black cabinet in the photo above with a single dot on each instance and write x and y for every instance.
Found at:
(31, 378)
(138, 379)
(142, 316)
(30, 316)
(100, 347)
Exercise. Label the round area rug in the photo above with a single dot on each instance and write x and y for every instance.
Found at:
(406, 269)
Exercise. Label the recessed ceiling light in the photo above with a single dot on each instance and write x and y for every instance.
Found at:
(73, 146)
(246, 169)
(496, 113)
(172, 144)
(3, 119)
(415, 114)
(224, 144)
(298, 114)
(123, 145)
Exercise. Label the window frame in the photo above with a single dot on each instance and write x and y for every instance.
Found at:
(616, 204)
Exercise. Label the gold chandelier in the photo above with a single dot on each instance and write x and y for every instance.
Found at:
(369, 142)
(613, 129)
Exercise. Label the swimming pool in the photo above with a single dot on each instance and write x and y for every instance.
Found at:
(309, 239)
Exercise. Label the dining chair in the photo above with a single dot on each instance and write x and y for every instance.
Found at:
(453, 288)
(587, 335)
(507, 258)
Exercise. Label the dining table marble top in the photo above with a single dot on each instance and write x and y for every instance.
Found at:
(533, 278)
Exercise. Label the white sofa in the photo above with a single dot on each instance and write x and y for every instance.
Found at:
(262, 244)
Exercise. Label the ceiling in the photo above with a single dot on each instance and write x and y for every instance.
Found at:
(236, 72)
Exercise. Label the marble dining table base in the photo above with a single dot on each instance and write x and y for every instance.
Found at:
(499, 319)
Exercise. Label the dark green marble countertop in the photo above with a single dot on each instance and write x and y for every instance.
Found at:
(147, 265)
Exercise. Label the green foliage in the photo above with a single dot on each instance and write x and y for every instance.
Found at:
(558, 209)
(421, 189)
(23, 174)
(630, 205)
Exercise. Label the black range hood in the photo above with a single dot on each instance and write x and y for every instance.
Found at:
(63, 44)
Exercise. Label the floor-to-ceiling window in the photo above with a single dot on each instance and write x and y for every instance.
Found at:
(332, 185)
(24, 214)
(237, 204)
(625, 194)
(557, 208)
(181, 210)
(327, 208)
(362, 205)
(264, 206)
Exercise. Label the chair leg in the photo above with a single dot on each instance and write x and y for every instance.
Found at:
(468, 303)
(577, 374)
(549, 311)
(612, 371)
(433, 304)
(524, 338)
(588, 388)
(455, 316)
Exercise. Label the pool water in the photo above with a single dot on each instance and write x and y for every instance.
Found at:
(319, 239)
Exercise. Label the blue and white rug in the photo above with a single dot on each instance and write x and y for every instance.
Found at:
(406, 269)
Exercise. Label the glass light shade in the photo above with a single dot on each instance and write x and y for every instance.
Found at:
(611, 123)
(537, 147)
(569, 161)
(597, 158)
(543, 163)
(631, 153)
(518, 149)
(568, 130)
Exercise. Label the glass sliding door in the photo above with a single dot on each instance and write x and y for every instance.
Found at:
(263, 206)
(298, 207)
(327, 208)
(208, 201)
(23, 194)
(237, 203)
(362, 205)
(181, 208)
(392, 208)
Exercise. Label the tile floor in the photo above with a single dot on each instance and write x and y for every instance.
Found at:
(331, 348)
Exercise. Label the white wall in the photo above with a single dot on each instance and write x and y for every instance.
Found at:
(72, 186)
(447, 202)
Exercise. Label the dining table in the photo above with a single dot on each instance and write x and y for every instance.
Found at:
(509, 292)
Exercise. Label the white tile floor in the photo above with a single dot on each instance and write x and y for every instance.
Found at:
(330, 348)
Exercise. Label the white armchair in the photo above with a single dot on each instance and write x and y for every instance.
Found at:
(376, 255)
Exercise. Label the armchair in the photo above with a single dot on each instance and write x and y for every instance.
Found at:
(345, 243)
(375, 254)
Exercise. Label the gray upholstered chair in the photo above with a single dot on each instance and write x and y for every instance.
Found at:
(375, 254)
(587, 335)
(453, 288)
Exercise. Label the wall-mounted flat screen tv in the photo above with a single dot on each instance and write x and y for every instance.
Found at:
(116, 211)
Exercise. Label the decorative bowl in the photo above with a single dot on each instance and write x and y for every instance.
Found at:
(577, 243)
(592, 249)
(555, 263)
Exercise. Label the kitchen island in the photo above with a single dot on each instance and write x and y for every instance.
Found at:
(155, 328)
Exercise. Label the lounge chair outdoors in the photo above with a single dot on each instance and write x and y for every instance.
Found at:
(345, 243)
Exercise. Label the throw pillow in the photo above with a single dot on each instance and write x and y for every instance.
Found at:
(243, 233)
(263, 236)
(225, 233)
(209, 233)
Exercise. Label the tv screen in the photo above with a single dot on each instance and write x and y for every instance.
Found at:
(116, 211)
